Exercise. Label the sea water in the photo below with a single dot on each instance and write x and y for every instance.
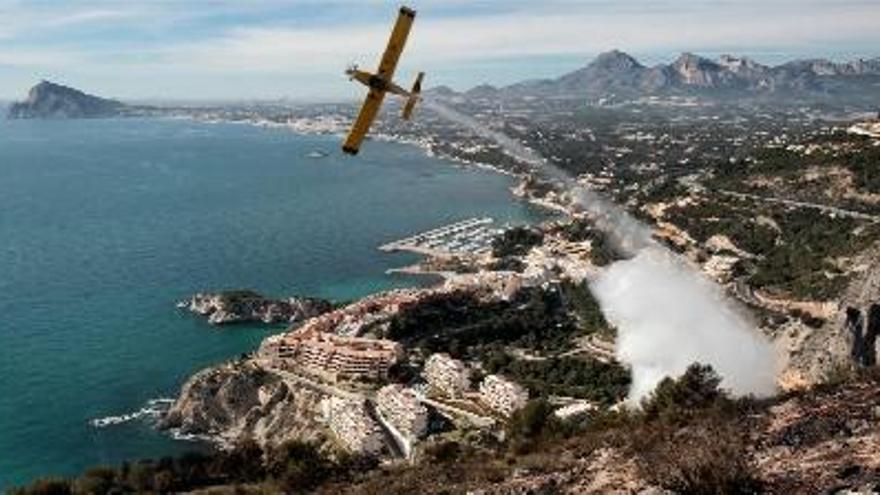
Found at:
(105, 224)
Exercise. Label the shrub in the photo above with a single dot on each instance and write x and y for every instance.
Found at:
(529, 425)
(677, 399)
(516, 242)
(244, 463)
(529, 422)
(297, 466)
(444, 452)
(45, 486)
(838, 373)
(585, 308)
(705, 458)
(691, 438)
(96, 480)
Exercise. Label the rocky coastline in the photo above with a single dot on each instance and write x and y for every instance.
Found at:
(246, 306)
(240, 401)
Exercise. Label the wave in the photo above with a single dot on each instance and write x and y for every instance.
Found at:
(154, 409)
(196, 437)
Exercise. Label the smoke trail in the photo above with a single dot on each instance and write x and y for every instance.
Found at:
(511, 146)
(627, 234)
(668, 315)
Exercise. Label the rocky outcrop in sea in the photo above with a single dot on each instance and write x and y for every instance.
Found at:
(246, 306)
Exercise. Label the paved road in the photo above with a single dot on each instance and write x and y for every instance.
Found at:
(596, 351)
(393, 439)
(803, 204)
(322, 387)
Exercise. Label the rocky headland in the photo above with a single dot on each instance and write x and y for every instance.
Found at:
(48, 100)
(241, 400)
(245, 306)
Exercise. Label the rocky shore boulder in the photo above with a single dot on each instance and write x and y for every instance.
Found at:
(242, 401)
(245, 306)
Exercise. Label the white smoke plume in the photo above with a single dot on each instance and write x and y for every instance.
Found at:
(668, 314)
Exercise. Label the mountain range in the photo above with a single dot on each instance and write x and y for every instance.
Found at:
(613, 74)
(616, 73)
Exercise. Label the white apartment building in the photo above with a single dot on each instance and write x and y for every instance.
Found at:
(352, 425)
(447, 375)
(400, 407)
(503, 395)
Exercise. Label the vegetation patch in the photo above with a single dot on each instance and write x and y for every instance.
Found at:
(293, 467)
(462, 325)
(517, 241)
(582, 378)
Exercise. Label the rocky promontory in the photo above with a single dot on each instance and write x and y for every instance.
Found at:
(48, 100)
(241, 400)
(244, 306)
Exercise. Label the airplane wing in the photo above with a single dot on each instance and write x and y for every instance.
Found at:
(396, 42)
(366, 116)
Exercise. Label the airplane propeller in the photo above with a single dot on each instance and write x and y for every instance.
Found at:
(352, 67)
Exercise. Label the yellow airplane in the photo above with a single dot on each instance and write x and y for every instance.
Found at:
(382, 82)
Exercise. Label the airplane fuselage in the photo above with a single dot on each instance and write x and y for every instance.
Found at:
(377, 82)
(381, 82)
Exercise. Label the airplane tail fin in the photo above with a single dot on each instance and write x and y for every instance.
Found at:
(414, 97)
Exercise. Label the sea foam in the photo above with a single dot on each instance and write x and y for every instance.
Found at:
(151, 411)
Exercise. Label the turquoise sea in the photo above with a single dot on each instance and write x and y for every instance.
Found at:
(105, 224)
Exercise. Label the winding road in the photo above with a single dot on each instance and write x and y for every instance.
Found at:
(802, 204)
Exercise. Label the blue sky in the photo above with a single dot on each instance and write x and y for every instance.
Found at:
(264, 49)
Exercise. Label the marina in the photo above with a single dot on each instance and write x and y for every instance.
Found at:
(468, 237)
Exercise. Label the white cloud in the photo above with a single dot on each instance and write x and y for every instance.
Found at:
(93, 16)
(18, 20)
(443, 39)
(37, 59)
(449, 40)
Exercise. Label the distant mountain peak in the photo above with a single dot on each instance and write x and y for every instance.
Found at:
(615, 60)
(441, 90)
(45, 87)
(694, 70)
(691, 60)
(483, 90)
(51, 100)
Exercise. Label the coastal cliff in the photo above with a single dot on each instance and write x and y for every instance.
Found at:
(241, 400)
(247, 306)
(48, 100)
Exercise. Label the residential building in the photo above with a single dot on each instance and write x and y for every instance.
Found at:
(353, 426)
(332, 356)
(503, 395)
(446, 375)
(400, 407)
